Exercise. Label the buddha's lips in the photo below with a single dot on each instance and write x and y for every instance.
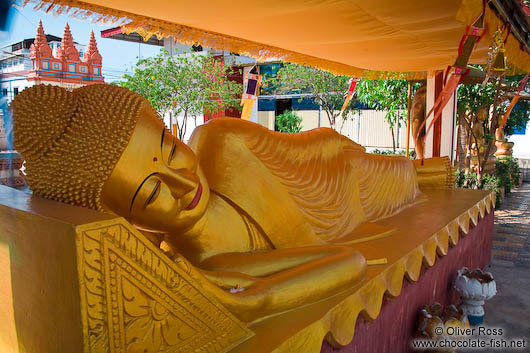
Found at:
(196, 198)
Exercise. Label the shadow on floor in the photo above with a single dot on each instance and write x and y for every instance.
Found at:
(510, 266)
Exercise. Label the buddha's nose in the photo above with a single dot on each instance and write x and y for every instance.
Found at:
(180, 181)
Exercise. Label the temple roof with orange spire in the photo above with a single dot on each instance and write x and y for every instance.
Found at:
(92, 55)
(40, 46)
(66, 68)
(68, 50)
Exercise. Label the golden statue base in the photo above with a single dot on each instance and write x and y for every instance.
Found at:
(84, 281)
(76, 280)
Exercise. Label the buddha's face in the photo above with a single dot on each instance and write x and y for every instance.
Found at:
(157, 183)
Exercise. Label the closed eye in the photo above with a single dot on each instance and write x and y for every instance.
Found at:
(154, 193)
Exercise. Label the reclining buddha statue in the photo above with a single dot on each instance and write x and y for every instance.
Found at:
(274, 216)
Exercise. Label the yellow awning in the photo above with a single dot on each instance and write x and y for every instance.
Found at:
(369, 38)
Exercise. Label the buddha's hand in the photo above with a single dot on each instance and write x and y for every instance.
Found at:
(257, 285)
(229, 281)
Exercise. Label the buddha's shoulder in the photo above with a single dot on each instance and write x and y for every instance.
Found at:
(223, 126)
(220, 131)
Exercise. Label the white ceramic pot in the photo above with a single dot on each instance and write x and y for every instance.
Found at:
(474, 288)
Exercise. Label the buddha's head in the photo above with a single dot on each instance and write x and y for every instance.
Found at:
(103, 147)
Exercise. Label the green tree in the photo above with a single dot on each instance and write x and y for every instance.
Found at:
(480, 110)
(390, 96)
(518, 118)
(184, 86)
(289, 122)
(520, 114)
(473, 107)
(328, 90)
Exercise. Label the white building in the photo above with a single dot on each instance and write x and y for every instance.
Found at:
(521, 150)
(521, 140)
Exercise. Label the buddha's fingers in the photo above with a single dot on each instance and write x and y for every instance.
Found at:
(381, 261)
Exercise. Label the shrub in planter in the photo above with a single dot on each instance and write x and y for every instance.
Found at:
(288, 122)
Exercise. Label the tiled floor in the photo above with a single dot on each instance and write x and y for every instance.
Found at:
(510, 265)
(511, 242)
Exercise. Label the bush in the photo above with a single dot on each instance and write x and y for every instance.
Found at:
(412, 154)
(491, 182)
(502, 173)
(388, 152)
(507, 176)
(288, 122)
(466, 181)
(507, 170)
(460, 178)
(470, 181)
(515, 172)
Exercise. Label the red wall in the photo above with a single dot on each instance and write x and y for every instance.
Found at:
(395, 326)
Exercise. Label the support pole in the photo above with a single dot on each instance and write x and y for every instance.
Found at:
(408, 118)
(440, 140)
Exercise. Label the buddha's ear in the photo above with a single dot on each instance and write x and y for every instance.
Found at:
(41, 115)
(154, 237)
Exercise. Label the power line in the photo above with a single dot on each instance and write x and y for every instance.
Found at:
(27, 19)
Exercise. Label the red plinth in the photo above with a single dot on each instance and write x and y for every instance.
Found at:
(395, 326)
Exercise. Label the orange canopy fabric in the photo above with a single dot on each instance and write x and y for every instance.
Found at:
(368, 38)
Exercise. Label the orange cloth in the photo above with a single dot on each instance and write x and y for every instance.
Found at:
(348, 37)
(247, 108)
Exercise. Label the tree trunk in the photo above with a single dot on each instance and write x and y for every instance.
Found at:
(460, 146)
(330, 119)
(182, 129)
(393, 140)
(480, 173)
(343, 121)
(491, 126)
(480, 165)
(469, 142)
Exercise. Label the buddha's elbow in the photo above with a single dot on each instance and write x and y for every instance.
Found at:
(346, 269)
(354, 267)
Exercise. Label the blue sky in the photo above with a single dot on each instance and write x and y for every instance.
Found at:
(118, 56)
